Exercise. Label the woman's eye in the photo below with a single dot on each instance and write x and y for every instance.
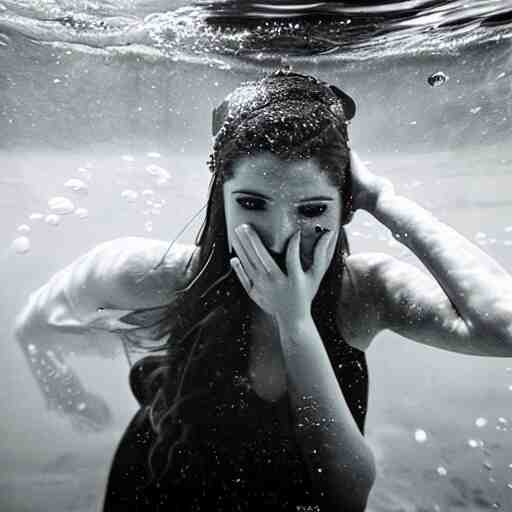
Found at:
(251, 204)
(313, 210)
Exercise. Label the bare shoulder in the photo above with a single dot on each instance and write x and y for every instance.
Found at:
(134, 268)
(360, 313)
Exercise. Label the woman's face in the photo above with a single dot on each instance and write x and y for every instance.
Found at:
(277, 197)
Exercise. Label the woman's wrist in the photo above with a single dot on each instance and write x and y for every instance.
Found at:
(293, 323)
(383, 192)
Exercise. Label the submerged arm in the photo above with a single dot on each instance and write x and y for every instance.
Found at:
(339, 461)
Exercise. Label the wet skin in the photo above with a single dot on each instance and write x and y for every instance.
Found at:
(278, 197)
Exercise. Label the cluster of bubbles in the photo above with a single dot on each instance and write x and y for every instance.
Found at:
(57, 207)
(78, 186)
(481, 423)
(151, 204)
(483, 239)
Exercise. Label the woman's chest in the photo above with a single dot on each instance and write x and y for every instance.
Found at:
(266, 368)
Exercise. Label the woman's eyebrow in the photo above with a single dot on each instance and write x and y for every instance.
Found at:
(306, 200)
(252, 193)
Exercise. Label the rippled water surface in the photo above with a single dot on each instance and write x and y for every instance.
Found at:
(104, 132)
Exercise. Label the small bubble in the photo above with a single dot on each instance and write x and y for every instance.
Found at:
(21, 245)
(442, 471)
(56, 81)
(475, 110)
(508, 229)
(23, 228)
(32, 349)
(130, 195)
(437, 79)
(128, 158)
(480, 422)
(35, 216)
(86, 173)
(148, 192)
(52, 219)
(82, 213)
(473, 443)
(509, 485)
(61, 205)
(76, 185)
(153, 154)
(148, 226)
(420, 436)
(502, 420)
(81, 406)
(162, 175)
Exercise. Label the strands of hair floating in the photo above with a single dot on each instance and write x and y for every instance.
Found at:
(160, 263)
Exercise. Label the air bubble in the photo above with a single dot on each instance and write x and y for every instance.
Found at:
(473, 443)
(420, 436)
(82, 213)
(61, 205)
(81, 406)
(148, 192)
(32, 349)
(154, 154)
(442, 471)
(24, 228)
(130, 195)
(86, 173)
(480, 422)
(128, 158)
(162, 176)
(76, 185)
(148, 226)
(35, 216)
(437, 79)
(52, 219)
(21, 245)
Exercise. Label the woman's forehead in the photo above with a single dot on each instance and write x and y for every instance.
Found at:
(268, 173)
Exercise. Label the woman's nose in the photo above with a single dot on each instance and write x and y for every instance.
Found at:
(281, 234)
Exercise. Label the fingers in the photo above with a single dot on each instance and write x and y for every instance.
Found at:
(242, 275)
(244, 254)
(293, 264)
(256, 251)
(321, 258)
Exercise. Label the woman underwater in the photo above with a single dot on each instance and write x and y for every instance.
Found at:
(256, 395)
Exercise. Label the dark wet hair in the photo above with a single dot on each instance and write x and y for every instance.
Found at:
(207, 325)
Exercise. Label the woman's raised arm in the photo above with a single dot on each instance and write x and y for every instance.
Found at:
(464, 305)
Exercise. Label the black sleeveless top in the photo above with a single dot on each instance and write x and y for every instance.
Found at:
(245, 459)
(250, 462)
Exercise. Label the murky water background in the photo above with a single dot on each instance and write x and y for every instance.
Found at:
(117, 97)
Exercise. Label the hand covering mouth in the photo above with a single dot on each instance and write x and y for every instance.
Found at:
(280, 259)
